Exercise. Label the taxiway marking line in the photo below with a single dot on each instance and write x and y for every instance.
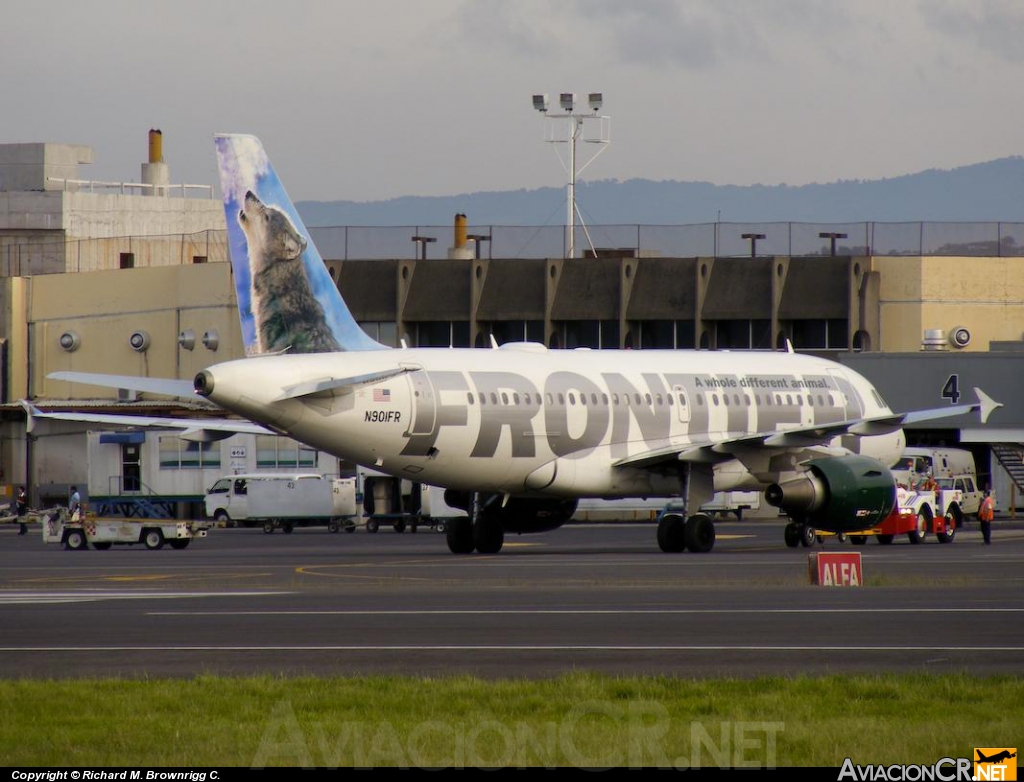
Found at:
(592, 611)
(32, 598)
(513, 648)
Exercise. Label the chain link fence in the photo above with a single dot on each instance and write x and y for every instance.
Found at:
(994, 239)
(20, 256)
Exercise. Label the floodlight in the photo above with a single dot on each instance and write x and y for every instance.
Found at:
(540, 102)
(595, 99)
(566, 99)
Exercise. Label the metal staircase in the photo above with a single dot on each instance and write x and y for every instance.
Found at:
(137, 502)
(1011, 457)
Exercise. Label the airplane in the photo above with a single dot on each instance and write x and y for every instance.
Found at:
(517, 433)
(999, 756)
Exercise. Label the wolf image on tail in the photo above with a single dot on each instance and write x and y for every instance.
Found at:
(287, 300)
(287, 314)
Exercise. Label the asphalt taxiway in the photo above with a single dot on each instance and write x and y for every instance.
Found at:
(596, 597)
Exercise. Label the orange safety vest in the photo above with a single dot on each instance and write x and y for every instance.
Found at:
(987, 510)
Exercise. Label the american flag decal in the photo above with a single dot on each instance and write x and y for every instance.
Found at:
(382, 395)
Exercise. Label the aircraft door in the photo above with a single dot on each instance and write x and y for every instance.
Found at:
(682, 404)
(424, 402)
(849, 399)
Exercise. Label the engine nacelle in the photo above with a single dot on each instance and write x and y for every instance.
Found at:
(837, 494)
(519, 514)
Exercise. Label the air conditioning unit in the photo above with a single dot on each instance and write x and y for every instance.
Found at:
(960, 337)
(127, 395)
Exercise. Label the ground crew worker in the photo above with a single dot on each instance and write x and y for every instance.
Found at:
(986, 513)
(21, 506)
(74, 504)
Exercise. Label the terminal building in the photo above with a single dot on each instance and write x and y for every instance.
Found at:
(133, 279)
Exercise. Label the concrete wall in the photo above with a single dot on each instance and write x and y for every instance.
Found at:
(42, 221)
(97, 215)
(916, 294)
(29, 166)
(105, 308)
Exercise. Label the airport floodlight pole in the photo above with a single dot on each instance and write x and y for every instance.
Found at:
(576, 123)
(477, 239)
(831, 236)
(423, 241)
(753, 242)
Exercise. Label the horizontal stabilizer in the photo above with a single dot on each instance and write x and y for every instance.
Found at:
(147, 385)
(325, 384)
(197, 429)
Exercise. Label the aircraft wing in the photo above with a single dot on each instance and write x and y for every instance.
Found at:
(801, 437)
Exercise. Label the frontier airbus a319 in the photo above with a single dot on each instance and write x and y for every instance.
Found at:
(519, 432)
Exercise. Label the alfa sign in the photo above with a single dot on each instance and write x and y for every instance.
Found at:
(827, 568)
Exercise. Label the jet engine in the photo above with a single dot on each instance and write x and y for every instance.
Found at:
(837, 494)
(520, 514)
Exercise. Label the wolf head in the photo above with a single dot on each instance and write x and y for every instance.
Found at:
(269, 233)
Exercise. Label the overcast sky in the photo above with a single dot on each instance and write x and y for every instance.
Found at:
(372, 99)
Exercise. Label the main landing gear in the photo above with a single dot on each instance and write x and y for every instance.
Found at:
(677, 533)
(798, 534)
(481, 531)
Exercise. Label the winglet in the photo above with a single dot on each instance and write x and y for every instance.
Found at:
(987, 404)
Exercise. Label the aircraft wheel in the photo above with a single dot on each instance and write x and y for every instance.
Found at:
(885, 540)
(672, 533)
(488, 536)
(918, 534)
(807, 535)
(75, 540)
(699, 534)
(153, 539)
(792, 534)
(460, 536)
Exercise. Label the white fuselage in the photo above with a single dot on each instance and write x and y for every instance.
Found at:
(522, 419)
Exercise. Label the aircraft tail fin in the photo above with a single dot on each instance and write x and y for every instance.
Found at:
(287, 301)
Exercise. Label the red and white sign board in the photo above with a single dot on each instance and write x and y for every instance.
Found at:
(834, 568)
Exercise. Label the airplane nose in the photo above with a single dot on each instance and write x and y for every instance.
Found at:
(203, 383)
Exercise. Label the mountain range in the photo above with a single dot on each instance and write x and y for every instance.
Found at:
(992, 191)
